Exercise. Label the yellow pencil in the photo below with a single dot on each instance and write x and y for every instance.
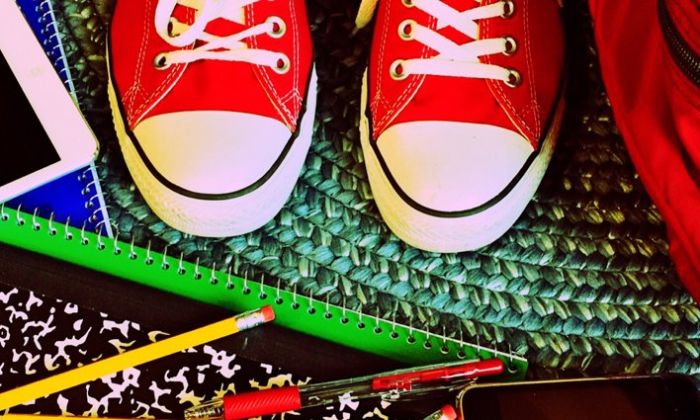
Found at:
(135, 357)
(43, 417)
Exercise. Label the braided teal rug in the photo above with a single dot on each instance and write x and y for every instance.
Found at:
(581, 284)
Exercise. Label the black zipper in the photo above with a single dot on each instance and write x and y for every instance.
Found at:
(684, 56)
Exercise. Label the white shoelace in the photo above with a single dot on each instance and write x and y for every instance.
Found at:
(452, 59)
(227, 48)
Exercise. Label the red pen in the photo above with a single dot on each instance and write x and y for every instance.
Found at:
(389, 386)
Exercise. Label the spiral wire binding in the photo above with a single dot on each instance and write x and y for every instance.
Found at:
(58, 55)
(415, 336)
(91, 190)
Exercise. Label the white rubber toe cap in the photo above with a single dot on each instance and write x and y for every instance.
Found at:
(212, 152)
(452, 166)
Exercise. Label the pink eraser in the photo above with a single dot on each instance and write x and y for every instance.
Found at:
(268, 313)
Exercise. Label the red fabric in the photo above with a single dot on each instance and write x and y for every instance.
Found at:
(537, 28)
(657, 110)
(261, 403)
(209, 85)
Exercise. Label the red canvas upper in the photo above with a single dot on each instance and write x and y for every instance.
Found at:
(537, 28)
(657, 109)
(147, 91)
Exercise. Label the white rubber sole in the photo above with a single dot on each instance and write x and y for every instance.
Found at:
(219, 218)
(453, 234)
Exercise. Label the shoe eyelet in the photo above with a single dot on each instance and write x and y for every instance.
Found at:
(508, 9)
(511, 45)
(396, 70)
(160, 62)
(282, 65)
(514, 79)
(171, 26)
(406, 29)
(279, 28)
(407, 3)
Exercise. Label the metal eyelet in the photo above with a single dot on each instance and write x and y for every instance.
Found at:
(279, 28)
(514, 79)
(407, 3)
(171, 27)
(161, 62)
(282, 65)
(396, 70)
(511, 45)
(508, 9)
(406, 29)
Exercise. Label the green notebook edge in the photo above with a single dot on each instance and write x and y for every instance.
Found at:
(208, 285)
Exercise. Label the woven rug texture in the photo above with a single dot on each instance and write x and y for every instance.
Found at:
(581, 284)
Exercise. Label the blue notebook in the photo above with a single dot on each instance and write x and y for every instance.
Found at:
(76, 197)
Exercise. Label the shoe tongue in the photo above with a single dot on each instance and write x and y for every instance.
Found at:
(231, 20)
(226, 10)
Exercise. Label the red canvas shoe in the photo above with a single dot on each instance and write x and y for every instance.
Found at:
(461, 108)
(213, 103)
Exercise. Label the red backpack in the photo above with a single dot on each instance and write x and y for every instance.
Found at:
(650, 59)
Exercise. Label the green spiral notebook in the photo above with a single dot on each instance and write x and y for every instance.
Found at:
(219, 287)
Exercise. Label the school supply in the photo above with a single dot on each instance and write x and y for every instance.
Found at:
(136, 357)
(390, 386)
(219, 287)
(45, 417)
(76, 197)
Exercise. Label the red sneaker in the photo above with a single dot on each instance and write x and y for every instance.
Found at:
(461, 108)
(213, 103)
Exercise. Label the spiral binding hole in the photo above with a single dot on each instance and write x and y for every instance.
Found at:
(101, 246)
(328, 315)
(149, 261)
(133, 256)
(427, 345)
(262, 296)
(444, 349)
(377, 330)
(311, 311)
(295, 306)
(20, 222)
(361, 325)
(165, 266)
(198, 276)
(117, 251)
(461, 354)
(4, 217)
(394, 335)
(279, 301)
(230, 286)
(213, 281)
(411, 339)
(181, 271)
(53, 232)
(511, 367)
(84, 241)
(246, 291)
(344, 320)
(36, 227)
